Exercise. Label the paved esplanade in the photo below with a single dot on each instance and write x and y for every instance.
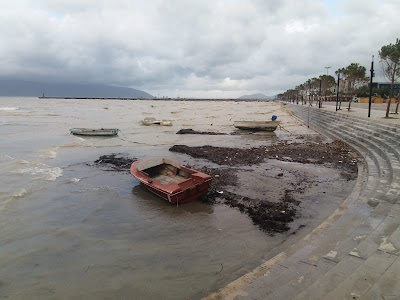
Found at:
(354, 253)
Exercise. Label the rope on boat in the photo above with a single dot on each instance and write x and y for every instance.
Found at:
(139, 143)
(129, 141)
(281, 127)
(222, 267)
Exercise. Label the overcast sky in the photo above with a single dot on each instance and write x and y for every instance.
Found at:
(192, 48)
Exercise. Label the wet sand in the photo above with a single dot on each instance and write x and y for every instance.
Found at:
(270, 208)
(271, 214)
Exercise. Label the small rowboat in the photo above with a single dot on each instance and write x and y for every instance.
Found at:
(153, 121)
(257, 125)
(170, 180)
(94, 132)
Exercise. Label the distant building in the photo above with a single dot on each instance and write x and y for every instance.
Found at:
(383, 85)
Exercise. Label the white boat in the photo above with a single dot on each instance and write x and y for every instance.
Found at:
(153, 121)
(94, 132)
(257, 125)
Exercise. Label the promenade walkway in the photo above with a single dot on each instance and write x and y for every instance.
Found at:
(378, 111)
(354, 253)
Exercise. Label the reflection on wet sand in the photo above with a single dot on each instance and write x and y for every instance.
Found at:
(151, 201)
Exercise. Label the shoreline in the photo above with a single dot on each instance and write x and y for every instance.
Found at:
(156, 99)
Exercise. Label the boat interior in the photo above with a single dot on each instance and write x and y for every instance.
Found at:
(166, 173)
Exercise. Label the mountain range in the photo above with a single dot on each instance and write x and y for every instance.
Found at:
(22, 88)
(255, 96)
(25, 88)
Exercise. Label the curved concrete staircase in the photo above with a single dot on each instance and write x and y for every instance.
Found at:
(353, 254)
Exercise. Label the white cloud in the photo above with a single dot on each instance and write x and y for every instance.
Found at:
(211, 47)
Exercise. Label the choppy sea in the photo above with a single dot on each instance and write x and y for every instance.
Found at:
(72, 230)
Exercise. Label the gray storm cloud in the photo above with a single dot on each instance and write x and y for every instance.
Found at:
(199, 48)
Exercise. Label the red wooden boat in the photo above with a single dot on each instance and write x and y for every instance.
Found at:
(170, 180)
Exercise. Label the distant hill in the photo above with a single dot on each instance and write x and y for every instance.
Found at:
(22, 88)
(255, 96)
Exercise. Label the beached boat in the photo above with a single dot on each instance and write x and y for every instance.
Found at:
(170, 180)
(257, 125)
(153, 121)
(94, 132)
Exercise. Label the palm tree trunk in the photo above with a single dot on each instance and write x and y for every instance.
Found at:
(391, 95)
(388, 107)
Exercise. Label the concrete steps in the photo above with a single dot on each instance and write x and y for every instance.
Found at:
(354, 253)
(381, 142)
(367, 262)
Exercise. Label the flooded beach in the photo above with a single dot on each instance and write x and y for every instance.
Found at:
(71, 228)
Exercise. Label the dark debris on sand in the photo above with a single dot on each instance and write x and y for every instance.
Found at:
(271, 217)
(115, 162)
(191, 131)
(223, 155)
(337, 154)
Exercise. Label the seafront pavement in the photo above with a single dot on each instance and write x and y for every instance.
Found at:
(354, 253)
(378, 111)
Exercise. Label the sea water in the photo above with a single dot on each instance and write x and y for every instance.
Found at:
(73, 230)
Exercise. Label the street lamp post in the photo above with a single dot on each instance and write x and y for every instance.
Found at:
(320, 99)
(337, 90)
(370, 87)
(326, 80)
(327, 68)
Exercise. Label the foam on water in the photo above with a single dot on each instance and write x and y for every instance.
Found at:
(14, 160)
(20, 193)
(21, 178)
(51, 153)
(42, 171)
(75, 180)
(9, 108)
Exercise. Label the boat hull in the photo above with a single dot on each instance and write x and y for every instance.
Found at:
(94, 132)
(257, 125)
(174, 191)
(184, 196)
